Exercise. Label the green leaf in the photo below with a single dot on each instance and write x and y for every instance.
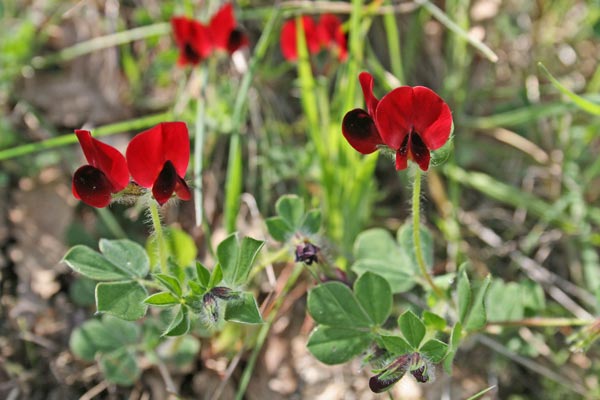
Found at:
(243, 309)
(412, 328)
(434, 321)
(477, 315)
(376, 244)
(180, 324)
(435, 350)
(405, 238)
(170, 283)
(127, 255)
(216, 276)
(179, 245)
(400, 280)
(236, 259)
(396, 345)
(203, 274)
(533, 295)
(334, 345)
(312, 222)
(374, 295)
(196, 288)
(161, 299)
(504, 301)
(455, 337)
(581, 102)
(120, 367)
(463, 290)
(376, 251)
(334, 304)
(183, 351)
(102, 335)
(93, 265)
(278, 229)
(122, 299)
(291, 209)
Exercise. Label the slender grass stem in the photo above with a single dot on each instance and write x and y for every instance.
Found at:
(199, 145)
(416, 210)
(159, 235)
(443, 18)
(264, 330)
(63, 140)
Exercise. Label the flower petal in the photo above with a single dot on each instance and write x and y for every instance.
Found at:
(148, 151)
(91, 186)
(182, 190)
(359, 130)
(221, 25)
(432, 118)
(366, 82)
(393, 116)
(288, 39)
(105, 158)
(330, 34)
(193, 40)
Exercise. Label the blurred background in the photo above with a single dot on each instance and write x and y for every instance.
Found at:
(517, 195)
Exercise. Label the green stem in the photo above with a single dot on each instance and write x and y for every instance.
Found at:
(111, 223)
(102, 42)
(199, 145)
(416, 210)
(150, 284)
(64, 140)
(264, 330)
(160, 237)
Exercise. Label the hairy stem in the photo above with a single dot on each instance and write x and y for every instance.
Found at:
(416, 209)
(160, 237)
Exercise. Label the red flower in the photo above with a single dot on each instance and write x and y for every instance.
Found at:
(289, 40)
(331, 35)
(105, 174)
(411, 120)
(158, 159)
(224, 32)
(326, 34)
(193, 40)
(197, 41)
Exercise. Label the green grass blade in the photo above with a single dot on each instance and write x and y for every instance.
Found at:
(63, 140)
(582, 103)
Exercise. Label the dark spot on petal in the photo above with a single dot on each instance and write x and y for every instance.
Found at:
(165, 183)
(191, 54)
(419, 151)
(236, 39)
(403, 150)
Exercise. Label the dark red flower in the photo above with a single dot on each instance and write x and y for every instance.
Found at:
(411, 120)
(193, 40)
(158, 158)
(105, 174)
(289, 39)
(197, 41)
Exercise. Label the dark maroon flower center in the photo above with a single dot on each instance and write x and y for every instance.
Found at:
(236, 39)
(190, 53)
(165, 183)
